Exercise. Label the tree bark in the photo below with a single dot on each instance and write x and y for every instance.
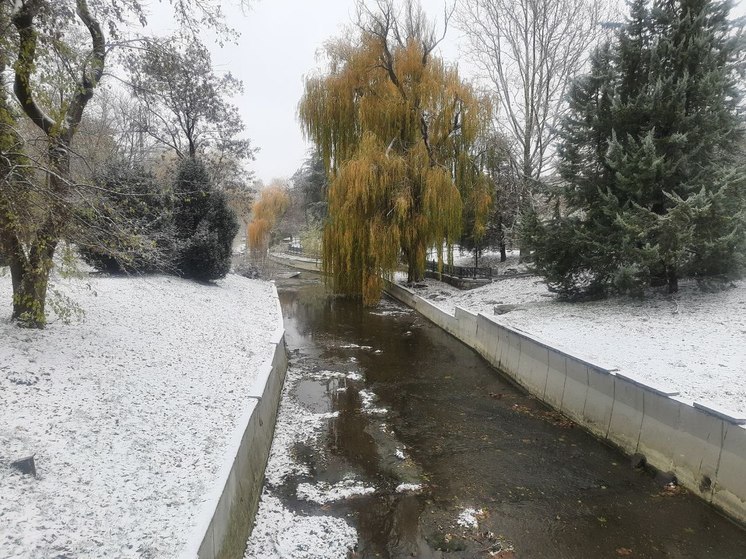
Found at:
(30, 266)
(30, 276)
(30, 292)
(672, 280)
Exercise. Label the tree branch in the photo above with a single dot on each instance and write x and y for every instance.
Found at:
(23, 20)
(90, 74)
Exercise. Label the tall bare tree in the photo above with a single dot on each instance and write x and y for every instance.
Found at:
(186, 107)
(527, 52)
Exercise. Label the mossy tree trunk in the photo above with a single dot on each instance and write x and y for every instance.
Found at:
(30, 275)
(29, 241)
(32, 262)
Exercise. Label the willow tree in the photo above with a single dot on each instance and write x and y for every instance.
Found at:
(395, 126)
(272, 203)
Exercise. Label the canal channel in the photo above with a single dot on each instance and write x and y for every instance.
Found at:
(396, 440)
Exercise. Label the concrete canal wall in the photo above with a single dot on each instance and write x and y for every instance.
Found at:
(296, 261)
(704, 447)
(228, 515)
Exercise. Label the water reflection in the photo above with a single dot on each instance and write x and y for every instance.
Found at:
(408, 404)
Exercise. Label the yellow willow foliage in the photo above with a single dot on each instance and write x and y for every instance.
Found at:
(272, 203)
(258, 231)
(395, 129)
(357, 252)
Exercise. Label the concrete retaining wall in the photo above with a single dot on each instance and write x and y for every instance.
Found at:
(228, 515)
(704, 447)
(297, 262)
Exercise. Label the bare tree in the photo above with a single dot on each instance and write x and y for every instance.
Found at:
(116, 114)
(186, 107)
(527, 52)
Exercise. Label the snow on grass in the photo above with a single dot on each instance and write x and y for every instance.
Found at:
(281, 534)
(128, 412)
(693, 342)
(409, 488)
(469, 518)
(323, 492)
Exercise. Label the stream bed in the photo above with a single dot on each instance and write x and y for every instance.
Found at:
(396, 440)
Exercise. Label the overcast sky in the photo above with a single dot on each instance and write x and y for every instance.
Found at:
(278, 46)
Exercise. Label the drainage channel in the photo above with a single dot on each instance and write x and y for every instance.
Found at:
(395, 440)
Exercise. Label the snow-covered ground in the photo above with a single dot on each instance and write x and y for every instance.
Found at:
(693, 342)
(280, 533)
(491, 259)
(128, 412)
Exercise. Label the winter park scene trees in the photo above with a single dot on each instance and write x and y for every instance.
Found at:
(473, 288)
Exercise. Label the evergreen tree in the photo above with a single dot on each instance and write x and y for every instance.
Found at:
(207, 254)
(129, 228)
(204, 224)
(654, 191)
(192, 191)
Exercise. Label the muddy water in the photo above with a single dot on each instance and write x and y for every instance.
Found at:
(417, 406)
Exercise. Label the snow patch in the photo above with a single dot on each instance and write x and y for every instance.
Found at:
(323, 493)
(281, 534)
(368, 399)
(356, 346)
(409, 487)
(469, 518)
(306, 427)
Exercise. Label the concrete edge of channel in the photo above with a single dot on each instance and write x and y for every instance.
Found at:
(297, 262)
(227, 515)
(705, 447)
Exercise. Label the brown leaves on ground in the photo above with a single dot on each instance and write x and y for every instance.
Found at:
(623, 551)
(671, 489)
(550, 416)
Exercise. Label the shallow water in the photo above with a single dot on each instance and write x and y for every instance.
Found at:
(416, 406)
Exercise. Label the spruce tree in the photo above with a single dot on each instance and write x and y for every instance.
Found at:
(654, 191)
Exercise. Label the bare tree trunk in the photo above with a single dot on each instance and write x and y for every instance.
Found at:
(528, 51)
(672, 280)
(501, 239)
